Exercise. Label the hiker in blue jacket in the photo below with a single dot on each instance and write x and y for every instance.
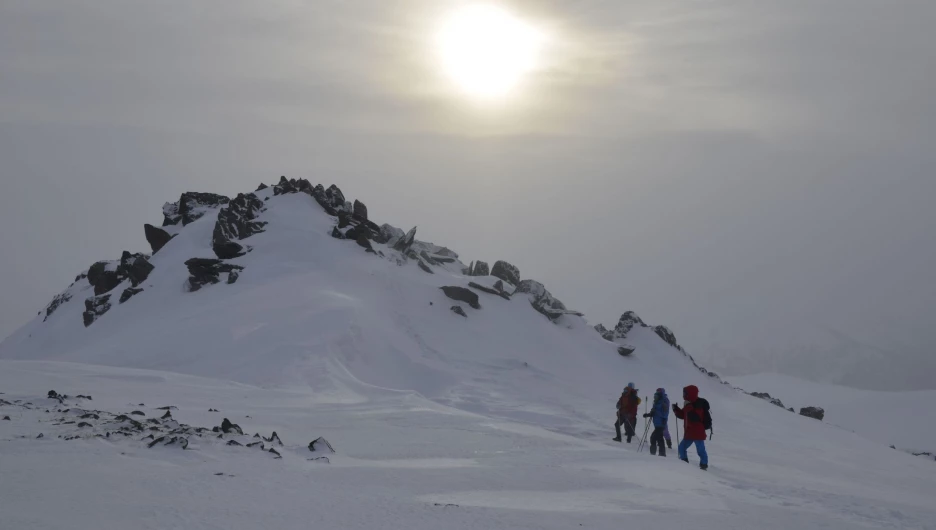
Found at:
(660, 414)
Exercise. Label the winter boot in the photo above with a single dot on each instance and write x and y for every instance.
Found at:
(662, 453)
(616, 438)
(669, 444)
(686, 460)
(703, 467)
(652, 451)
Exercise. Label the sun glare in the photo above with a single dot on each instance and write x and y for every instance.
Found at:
(486, 50)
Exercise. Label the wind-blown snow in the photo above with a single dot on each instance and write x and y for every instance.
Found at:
(503, 414)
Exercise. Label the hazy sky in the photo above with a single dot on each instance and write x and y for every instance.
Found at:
(759, 175)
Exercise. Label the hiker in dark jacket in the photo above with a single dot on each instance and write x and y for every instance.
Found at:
(627, 413)
(660, 414)
(694, 412)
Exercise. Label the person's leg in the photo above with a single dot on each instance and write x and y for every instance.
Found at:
(658, 432)
(656, 439)
(617, 428)
(703, 455)
(629, 427)
(667, 437)
(683, 446)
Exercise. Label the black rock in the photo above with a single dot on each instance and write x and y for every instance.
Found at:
(191, 207)
(386, 233)
(235, 442)
(626, 323)
(139, 413)
(321, 445)
(236, 221)
(488, 290)
(128, 293)
(499, 286)
(95, 307)
(360, 211)
(40, 435)
(425, 267)
(156, 237)
(273, 438)
(262, 186)
(276, 453)
(103, 276)
(212, 410)
(603, 331)
(404, 243)
(166, 416)
(167, 407)
(93, 416)
(462, 294)
(625, 351)
(542, 300)
(55, 303)
(479, 268)
(156, 441)
(6, 418)
(668, 336)
(812, 412)
(84, 424)
(364, 242)
(457, 309)
(135, 267)
(507, 272)
(227, 427)
(52, 394)
(204, 271)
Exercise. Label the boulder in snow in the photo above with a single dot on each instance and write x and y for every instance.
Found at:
(388, 233)
(507, 272)
(95, 307)
(204, 271)
(128, 293)
(359, 210)
(191, 207)
(667, 335)
(228, 428)
(542, 300)
(404, 243)
(462, 294)
(235, 222)
(320, 445)
(813, 412)
(457, 309)
(156, 237)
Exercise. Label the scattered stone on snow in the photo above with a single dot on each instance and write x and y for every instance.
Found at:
(507, 272)
(457, 309)
(813, 412)
(462, 294)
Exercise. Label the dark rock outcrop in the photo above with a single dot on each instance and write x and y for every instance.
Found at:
(128, 293)
(479, 268)
(95, 307)
(462, 294)
(227, 427)
(235, 222)
(204, 271)
(507, 272)
(156, 237)
(387, 233)
(103, 276)
(626, 323)
(425, 267)
(667, 335)
(766, 397)
(135, 267)
(404, 243)
(488, 290)
(262, 186)
(624, 351)
(55, 303)
(813, 412)
(320, 445)
(360, 211)
(542, 300)
(457, 309)
(603, 331)
(190, 207)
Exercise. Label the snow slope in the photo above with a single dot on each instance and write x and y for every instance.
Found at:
(504, 413)
(906, 420)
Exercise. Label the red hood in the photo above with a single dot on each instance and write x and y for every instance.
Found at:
(690, 393)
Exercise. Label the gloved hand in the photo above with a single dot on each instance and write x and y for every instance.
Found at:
(675, 407)
(647, 415)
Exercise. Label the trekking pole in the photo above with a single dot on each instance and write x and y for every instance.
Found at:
(643, 440)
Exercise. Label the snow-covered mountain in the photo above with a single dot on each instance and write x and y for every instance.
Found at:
(455, 394)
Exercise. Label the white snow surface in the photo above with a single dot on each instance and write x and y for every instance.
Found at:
(906, 420)
(502, 419)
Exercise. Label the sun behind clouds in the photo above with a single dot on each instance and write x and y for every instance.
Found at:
(486, 50)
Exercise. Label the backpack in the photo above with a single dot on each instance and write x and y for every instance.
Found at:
(706, 415)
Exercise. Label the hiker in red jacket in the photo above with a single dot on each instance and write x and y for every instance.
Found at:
(627, 413)
(695, 412)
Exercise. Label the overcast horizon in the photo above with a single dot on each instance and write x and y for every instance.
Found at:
(758, 176)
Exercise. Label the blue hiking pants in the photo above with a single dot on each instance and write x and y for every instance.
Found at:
(700, 448)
